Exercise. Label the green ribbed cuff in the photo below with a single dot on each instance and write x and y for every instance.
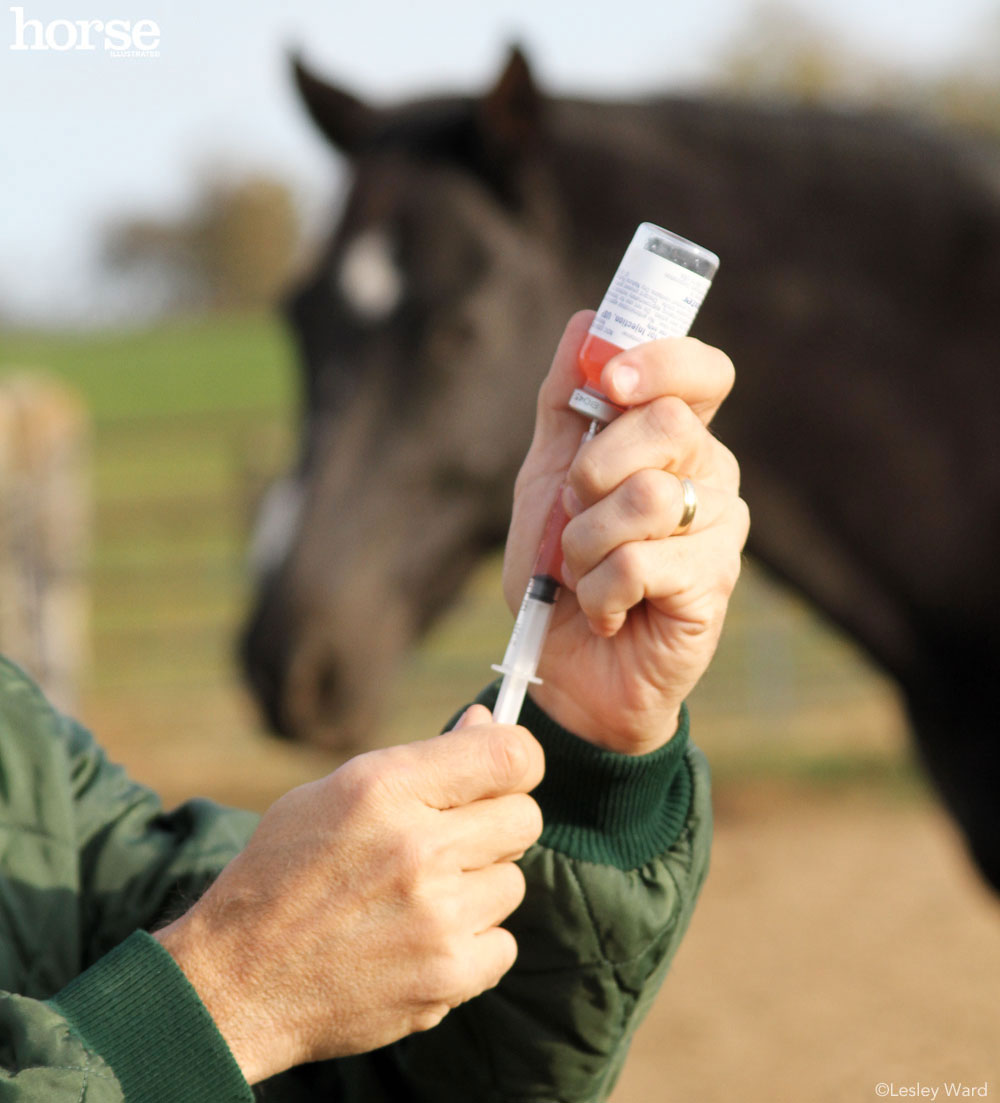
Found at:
(605, 807)
(140, 1013)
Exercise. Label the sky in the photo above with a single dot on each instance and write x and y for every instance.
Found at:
(86, 135)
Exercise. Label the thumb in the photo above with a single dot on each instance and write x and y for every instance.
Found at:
(556, 440)
(476, 760)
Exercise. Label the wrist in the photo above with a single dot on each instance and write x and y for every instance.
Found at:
(623, 731)
(216, 986)
(136, 993)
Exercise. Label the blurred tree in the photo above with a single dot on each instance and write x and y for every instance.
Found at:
(783, 53)
(233, 249)
(970, 93)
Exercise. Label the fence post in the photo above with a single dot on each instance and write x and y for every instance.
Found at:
(44, 532)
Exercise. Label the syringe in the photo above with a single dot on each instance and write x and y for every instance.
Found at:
(660, 284)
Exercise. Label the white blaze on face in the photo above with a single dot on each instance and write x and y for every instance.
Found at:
(277, 524)
(368, 277)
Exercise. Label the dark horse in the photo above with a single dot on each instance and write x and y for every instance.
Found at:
(859, 296)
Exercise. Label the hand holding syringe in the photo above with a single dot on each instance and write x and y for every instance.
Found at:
(656, 292)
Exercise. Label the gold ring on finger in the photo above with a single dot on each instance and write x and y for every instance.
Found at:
(690, 504)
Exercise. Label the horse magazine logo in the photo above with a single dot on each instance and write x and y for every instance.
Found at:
(116, 37)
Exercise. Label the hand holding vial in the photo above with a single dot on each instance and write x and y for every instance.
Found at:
(605, 509)
(642, 608)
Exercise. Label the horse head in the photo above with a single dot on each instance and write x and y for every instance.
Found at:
(422, 333)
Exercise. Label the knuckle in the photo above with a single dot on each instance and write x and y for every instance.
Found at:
(359, 780)
(411, 855)
(589, 596)
(669, 416)
(728, 541)
(532, 822)
(431, 922)
(438, 919)
(586, 594)
(586, 474)
(506, 755)
(729, 574)
(505, 958)
(523, 822)
(648, 494)
(428, 1017)
(443, 977)
(742, 520)
(617, 585)
(627, 563)
(517, 887)
(729, 467)
(726, 371)
(572, 543)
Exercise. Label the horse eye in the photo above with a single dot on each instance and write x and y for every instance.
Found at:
(367, 276)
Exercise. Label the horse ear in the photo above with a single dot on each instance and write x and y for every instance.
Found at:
(345, 120)
(509, 115)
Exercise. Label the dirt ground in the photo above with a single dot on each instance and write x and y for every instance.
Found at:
(842, 942)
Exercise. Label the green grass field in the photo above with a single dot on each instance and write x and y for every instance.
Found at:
(191, 419)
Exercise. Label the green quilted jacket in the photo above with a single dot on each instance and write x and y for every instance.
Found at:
(93, 1010)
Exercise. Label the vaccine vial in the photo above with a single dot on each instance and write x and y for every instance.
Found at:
(656, 292)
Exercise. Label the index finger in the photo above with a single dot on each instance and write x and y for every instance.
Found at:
(557, 427)
(699, 374)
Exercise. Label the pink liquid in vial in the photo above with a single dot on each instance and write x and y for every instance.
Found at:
(594, 354)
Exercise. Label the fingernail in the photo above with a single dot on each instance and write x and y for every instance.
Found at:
(609, 626)
(571, 502)
(466, 718)
(567, 576)
(624, 379)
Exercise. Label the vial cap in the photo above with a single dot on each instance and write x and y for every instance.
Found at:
(594, 406)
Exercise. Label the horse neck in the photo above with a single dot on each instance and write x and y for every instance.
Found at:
(616, 164)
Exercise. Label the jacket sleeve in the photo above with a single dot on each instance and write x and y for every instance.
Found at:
(92, 1009)
(611, 885)
(130, 1028)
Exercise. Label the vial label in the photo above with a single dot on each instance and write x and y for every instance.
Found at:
(651, 296)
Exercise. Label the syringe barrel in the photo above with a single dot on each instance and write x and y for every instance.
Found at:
(525, 648)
